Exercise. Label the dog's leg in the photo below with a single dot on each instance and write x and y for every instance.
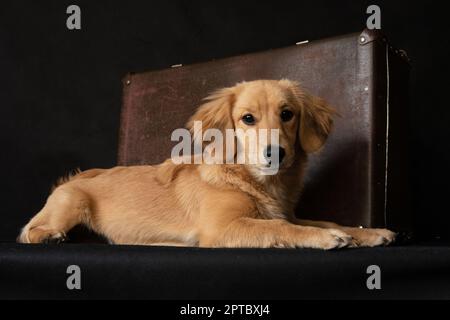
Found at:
(259, 233)
(65, 208)
(363, 237)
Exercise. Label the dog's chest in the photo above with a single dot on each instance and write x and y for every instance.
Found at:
(281, 203)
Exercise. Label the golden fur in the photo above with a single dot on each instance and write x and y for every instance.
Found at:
(227, 205)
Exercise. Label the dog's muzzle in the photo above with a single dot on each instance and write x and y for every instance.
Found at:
(274, 154)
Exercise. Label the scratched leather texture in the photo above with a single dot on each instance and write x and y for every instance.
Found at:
(358, 178)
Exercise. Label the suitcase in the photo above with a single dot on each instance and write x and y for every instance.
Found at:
(359, 178)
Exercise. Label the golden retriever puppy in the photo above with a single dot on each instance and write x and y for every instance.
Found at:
(211, 205)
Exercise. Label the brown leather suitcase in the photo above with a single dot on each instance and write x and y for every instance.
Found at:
(360, 176)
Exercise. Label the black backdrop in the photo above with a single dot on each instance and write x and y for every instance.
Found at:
(60, 90)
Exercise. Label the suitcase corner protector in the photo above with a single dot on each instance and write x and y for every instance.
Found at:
(370, 35)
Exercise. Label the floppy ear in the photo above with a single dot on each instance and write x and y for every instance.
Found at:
(316, 118)
(216, 112)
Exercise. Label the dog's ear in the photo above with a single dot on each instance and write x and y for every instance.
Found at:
(215, 113)
(316, 122)
(316, 117)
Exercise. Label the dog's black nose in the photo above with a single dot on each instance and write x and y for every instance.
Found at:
(271, 151)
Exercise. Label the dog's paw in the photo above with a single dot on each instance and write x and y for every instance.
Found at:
(57, 238)
(328, 239)
(371, 237)
(42, 235)
(315, 238)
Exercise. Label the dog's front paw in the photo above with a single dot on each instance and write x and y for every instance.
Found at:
(371, 237)
(332, 239)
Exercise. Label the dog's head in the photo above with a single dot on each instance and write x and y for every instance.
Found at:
(301, 121)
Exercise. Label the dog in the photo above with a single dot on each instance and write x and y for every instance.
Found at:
(211, 205)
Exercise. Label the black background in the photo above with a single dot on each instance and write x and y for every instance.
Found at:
(60, 90)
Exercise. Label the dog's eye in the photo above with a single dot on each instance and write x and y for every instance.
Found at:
(248, 119)
(286, 115)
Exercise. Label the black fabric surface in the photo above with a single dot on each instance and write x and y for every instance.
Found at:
(39, 271)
